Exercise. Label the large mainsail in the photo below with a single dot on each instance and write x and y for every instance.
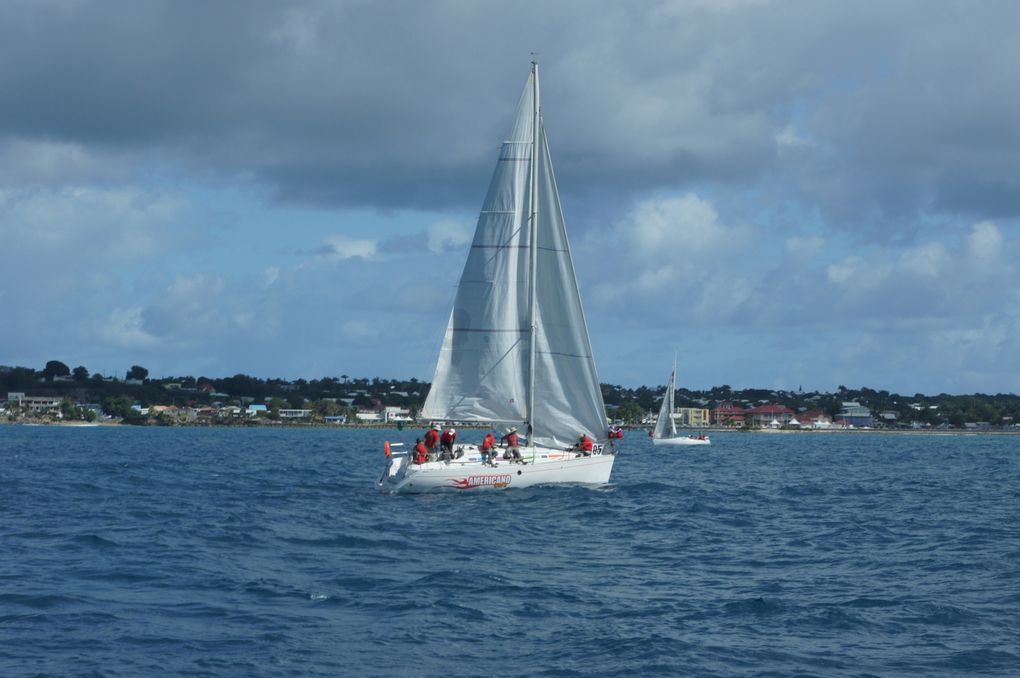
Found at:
(485, 371)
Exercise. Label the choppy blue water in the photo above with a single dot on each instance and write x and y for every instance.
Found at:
(197, 552)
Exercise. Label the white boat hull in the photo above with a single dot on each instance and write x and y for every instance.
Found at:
(469, 474)
(681, 440)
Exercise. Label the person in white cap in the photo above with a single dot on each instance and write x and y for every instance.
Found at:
(432, 441)
(510, 440)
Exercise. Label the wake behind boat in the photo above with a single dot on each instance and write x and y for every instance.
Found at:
(665, 432)
(516, 350)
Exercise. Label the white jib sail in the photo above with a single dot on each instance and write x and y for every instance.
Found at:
(568, 398)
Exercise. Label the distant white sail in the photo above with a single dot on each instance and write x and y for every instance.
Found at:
(665, 427)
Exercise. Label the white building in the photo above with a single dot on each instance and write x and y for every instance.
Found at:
(396, 414)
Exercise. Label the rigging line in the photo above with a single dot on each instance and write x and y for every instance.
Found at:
(484, 282)
(502, 246)
(565, 355)
(487, 373)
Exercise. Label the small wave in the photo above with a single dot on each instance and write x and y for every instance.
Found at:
(94, 540)
(871, 602)
(759, 607)
(803, 491)
(41, 601)
(345, 541)
(986, 659)
(941, 615)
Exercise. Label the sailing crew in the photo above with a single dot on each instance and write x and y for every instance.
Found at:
(583, 446)
(510, 440)
(420, 454)
(446, 441)
(488, 448)
(432, 441)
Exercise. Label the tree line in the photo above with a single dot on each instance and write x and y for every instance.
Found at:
(339, 395)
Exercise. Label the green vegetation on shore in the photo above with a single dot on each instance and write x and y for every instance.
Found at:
(344, 396)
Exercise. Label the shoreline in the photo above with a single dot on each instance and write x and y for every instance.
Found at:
(633, 430)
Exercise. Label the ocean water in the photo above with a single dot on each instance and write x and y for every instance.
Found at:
(219, 552)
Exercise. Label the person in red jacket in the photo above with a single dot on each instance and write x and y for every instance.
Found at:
(420, 454)
(583, 446)
(510, 440)
(488, 448)
(432, 441)
(446, 441)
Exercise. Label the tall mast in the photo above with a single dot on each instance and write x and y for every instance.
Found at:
(672, 395)
(533, 249)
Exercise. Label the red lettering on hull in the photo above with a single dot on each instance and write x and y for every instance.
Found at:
(496, 480)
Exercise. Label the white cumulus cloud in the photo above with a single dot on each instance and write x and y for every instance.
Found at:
(340, 247)
(447, 235)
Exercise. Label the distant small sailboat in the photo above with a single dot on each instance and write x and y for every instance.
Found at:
(665, 432)
(516, 351)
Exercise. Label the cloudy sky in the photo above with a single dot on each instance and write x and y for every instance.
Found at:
(788, 193)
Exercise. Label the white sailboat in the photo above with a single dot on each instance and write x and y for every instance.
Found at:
(665, 432)
(516, 350)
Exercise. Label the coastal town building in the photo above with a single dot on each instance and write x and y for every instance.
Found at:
(728, 414)
(856, 415)
(814, 419)
(396, 414)
(42, 404)
(769, 416)
(693, 417)
(888, 417)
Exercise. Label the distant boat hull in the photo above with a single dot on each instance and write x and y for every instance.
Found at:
(469, 474)
(682, 440)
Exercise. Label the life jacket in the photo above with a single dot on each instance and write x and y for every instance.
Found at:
(511, 439)
(431, 438)
(447, 438)
(420, 454)
(586, 444)
(489, 441)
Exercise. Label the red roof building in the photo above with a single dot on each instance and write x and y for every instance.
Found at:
(728, 414)
(763, 415)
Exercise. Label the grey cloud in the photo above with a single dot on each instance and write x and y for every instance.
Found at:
(402, 104)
